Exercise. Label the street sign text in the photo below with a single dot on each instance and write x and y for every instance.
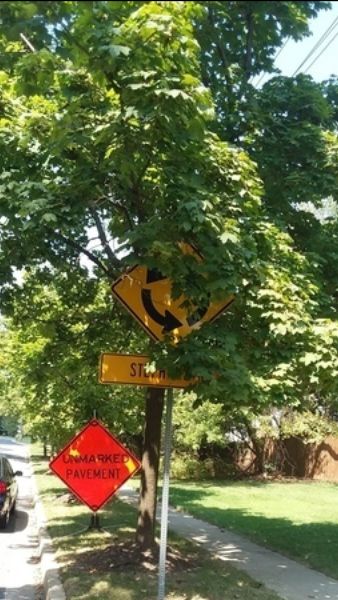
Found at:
(131, 369)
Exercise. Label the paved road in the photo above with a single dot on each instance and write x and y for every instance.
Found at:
(19, 565)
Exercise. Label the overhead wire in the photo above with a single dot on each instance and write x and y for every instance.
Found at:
(317, 45)
(322, 52)
(330, 29)
(281, 49)
(275, 58)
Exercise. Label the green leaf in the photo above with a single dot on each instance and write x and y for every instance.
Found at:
(115, 50)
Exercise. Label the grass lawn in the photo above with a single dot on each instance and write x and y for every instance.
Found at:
(299, 519)
(98, 566)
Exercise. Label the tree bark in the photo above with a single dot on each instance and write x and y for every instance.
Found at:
(145, 532)
(249, 45)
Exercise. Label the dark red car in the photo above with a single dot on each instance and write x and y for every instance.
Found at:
(8, 490)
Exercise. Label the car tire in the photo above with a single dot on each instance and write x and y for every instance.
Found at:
(13, 508)
(4, 520)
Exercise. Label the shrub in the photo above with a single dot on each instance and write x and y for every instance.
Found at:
(185, 466)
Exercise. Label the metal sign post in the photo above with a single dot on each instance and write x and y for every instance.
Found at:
(165, 496)
(146, 294)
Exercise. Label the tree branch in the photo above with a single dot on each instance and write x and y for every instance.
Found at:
(220, 50)
(73, 244)
(103, 239)
(249, 45)
(229, 101)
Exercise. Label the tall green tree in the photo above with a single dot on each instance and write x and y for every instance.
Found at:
(107, 131)
(289, 128)
(49, 359)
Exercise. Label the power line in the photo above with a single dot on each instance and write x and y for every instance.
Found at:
(319, 55)
(260, 79)
(281, 49)
(275, 58)
(317, 45)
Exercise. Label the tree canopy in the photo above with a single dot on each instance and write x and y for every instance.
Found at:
(127, 128)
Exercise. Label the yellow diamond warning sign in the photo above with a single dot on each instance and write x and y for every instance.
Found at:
(146, 294)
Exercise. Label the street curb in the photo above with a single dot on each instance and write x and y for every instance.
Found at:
(50, 576)
(49, 568)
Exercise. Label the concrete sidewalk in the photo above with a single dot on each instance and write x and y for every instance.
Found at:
(290, 580)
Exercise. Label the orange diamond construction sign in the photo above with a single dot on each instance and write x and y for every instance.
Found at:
(94, 465)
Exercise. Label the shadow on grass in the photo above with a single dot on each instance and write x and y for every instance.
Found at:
(115, 516)
(116, 569)
(87, 567)
(314, 544)
(78, 527)
(57, 492)
(89, 572)
(37, 458)
(43, 470)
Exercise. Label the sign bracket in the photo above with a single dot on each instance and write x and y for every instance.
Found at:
(94, 525)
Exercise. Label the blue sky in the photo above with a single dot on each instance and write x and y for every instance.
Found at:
(293, 54)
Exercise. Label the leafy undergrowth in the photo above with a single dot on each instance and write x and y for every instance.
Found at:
(107, 564)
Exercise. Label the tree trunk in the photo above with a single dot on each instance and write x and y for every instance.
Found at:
(259, 445)
(145, 532)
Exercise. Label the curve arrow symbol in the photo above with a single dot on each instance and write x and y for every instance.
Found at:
(154, 275)
(168, 320)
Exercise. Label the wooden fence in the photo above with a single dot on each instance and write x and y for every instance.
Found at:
(313, 461)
